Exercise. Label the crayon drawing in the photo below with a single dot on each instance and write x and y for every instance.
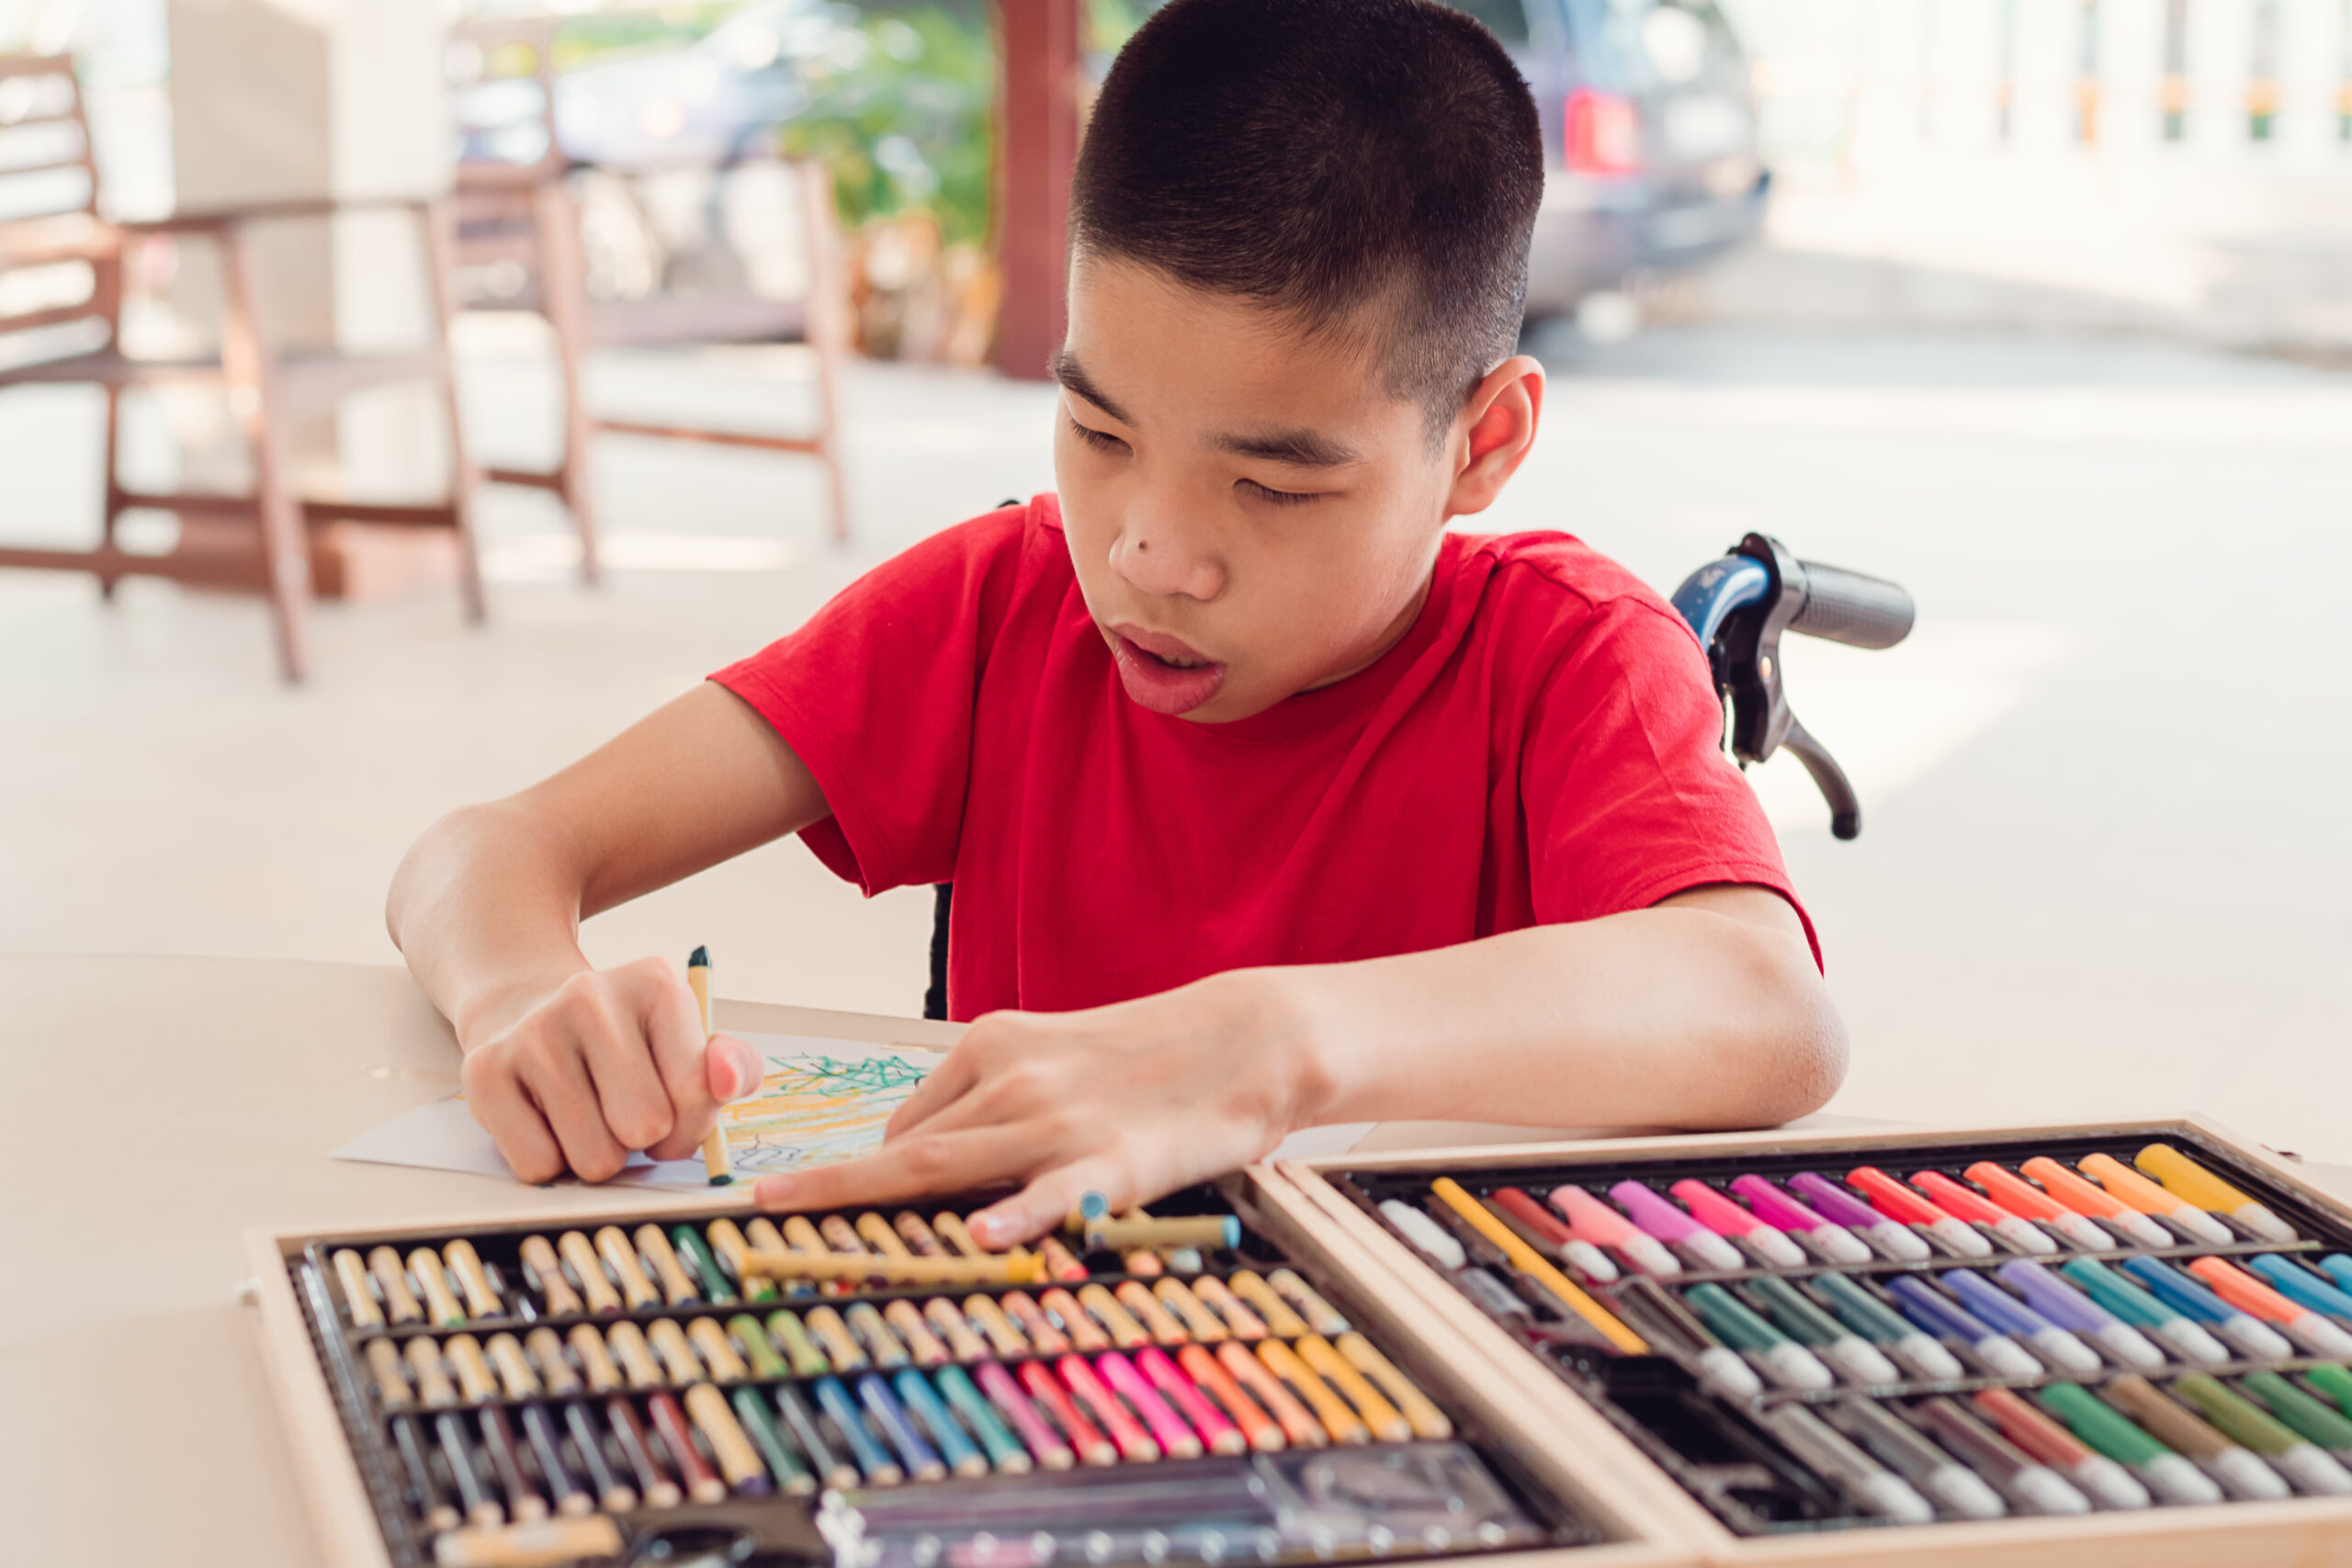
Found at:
(815, 1107)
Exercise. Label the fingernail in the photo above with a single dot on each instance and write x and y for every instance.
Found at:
(747, 1066)
(773, 1191)
(984, 1227)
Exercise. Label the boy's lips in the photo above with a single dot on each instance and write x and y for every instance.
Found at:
(1164, 673)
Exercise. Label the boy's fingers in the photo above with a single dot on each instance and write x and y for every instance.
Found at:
(674, 1032)
(559, 1081)
(731, 1069)
(1046, 1203)
(521, 1133)
(940, 1088)
(635, 1105)
(911, 1168)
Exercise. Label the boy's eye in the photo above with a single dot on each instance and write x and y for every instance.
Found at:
(1277, 497)
(1102, 440)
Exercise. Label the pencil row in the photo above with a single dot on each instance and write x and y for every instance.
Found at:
(2018, 1322)
(2068, 1449)
(597, 1425)
(2039, 1210)
(611, 1270)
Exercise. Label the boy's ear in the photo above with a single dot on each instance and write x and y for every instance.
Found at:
(1496, 430)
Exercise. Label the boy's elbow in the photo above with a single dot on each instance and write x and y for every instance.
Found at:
(429, 864)
(1787, 1047)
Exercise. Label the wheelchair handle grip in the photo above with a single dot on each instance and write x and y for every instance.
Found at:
(1849, 607)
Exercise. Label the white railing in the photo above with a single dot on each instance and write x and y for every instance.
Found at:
(1874, 82)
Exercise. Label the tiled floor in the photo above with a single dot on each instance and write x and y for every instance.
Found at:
(2104, 866)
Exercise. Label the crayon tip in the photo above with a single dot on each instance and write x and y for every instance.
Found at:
(698, 959)
(1092, 1206)
(722, 1181)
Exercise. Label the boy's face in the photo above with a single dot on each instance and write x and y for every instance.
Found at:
(1251, 514)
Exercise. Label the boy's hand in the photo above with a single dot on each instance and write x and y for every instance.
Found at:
(1131, 1100)
(609, 1062)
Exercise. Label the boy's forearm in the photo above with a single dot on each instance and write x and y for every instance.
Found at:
(1678, 1016)
(485, 908)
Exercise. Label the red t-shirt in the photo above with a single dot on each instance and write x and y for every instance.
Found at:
(1542, 746)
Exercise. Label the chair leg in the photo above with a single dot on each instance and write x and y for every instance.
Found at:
(828, 329)
(563, 292)
(465, 475)
(108, 580)
(285, 540)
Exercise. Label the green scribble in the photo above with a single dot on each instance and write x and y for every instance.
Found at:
(829, 1077)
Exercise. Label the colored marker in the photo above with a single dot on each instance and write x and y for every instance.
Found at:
(1793, 1313)
(2023, 1199)
(2163, 1472)
(1201, 1413)
(1426, 1236)
(1210, 1376)
(1870, 1485)
(2240, 1470)
(715, 1160)
(1873, 1320)
(1775, 1355)
(1671, 1224)
(801, 1422)
(2088, 1196)
(2337, 1267)
(792, 1476)
(2105, 1483)
(2068, 1307)
(1593, 1220)
(2144, 1195)
(1938, 1315)
(916, 1456)
(1771, 1247)
(1175, 1440)
(1967, 1204)
(2061, 1349)
(1994, 1457)
(1908, 1204)
(1891, 1239)
(2307, 1329)
(2302, 1461)
(1005, 1453)
(1542, 1229)
(1834, 1242)
(1894, 1443)
(1529, 1261)
(834, 1399)
(2187, 1339)
(2300, 1411)
(2185, 1178)
(1043, 1442)
(1659, 1316)
(2254, 1338)
(2299, 1284)
(962, 1456)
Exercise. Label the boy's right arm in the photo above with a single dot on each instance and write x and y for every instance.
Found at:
(566, 1067)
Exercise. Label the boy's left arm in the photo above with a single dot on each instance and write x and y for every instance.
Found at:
(1703, 1010)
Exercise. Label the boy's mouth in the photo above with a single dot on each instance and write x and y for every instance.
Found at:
(1163, 674)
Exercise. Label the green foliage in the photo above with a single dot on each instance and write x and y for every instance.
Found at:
(906, 126)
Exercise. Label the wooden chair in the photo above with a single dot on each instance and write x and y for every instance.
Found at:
(517, 217)
(79, 342)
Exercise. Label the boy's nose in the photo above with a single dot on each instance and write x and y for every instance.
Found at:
(1161, 559)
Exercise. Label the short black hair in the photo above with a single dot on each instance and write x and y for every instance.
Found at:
(1321, 156)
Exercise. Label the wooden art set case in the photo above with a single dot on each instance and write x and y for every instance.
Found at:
(2011, 1346)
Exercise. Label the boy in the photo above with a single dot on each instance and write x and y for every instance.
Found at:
(1268, 802)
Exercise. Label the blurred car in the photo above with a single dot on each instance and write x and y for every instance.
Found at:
(712, 102)
(1649, 137)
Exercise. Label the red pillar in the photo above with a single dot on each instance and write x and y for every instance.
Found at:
(1036, 147)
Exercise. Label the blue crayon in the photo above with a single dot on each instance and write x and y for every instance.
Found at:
(834, 1399)
(2339, 1268)
(2300, 1286)
(2189, 1296)
(922, 1463)
(2012, 1317)
(1941, 1316)
(963, 1455)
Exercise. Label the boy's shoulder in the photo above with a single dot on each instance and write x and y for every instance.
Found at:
(1559, 578)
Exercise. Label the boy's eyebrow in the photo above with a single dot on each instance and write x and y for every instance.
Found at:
(1295, 449)
(1065, 370)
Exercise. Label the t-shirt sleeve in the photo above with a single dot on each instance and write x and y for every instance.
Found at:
(1630, 796)
(875, 693)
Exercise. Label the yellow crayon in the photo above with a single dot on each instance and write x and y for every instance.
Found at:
(737, 1461)
(874, 1335)
(2185, 1177)
(554, 1368)
(546, 1272)
(578, 1252)
(1136, 1297)
(1529, 1261)
(1427, 1420)
(954, 1330)
(679, 1362)
(922, 1345)
(357, 1299)
(473, 1280)
(433, 1284)
(1002, 1337)
(920, 1239)
(718, 1353)
(877, 1234)
(1330, 1408)
(1388, 1422)
(1125, 1331)
(400, 1302)
(463, 1352)
(1212, 1294)
(716, 1162)
(392, 1376)
(595, 1360)
(620, 1255)
(514, 1373)
(1280, 1321)
(655, 1248)
(1189, 1310)
(594, 1537)
(433, 1384)
(729, 1243)
(842, 1349)
(908, 1270)
(627, 1344)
